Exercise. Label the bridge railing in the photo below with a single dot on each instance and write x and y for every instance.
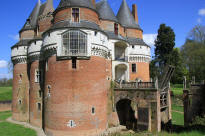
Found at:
(134, 85)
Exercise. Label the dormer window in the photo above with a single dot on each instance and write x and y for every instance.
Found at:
(74, 43)
(116, 28)
(75, 14)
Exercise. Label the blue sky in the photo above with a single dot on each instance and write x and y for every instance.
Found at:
(181, 15)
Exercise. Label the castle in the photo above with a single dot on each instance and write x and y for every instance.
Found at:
(66, 60)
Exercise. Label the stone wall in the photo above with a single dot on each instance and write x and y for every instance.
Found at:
(193, 102)
(146, 106)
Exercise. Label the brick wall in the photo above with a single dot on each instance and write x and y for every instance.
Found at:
(73, 93)
(135, 33)
(141, 73)
(20, 100)
(28, 34)
(85, 14)
(44, 24)
(5, 106)
(34, 97)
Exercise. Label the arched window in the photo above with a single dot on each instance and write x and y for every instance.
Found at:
(74, 43)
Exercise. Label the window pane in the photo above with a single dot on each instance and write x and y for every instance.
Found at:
(74, 43)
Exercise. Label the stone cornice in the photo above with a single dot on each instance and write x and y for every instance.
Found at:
(19, 60)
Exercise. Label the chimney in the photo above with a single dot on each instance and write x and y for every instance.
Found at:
(134, 12)
(93, 1)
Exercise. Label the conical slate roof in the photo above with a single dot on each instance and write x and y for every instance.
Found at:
(125, 16)
(105, 11)
(31, 22)
(46, 7)
(75, 3)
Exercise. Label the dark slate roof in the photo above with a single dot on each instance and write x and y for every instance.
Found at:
(22, 43)
(31, 22)
(75, 3)
(42, 8)
(81, 24)
(125, 16)
(136, 41)
(112, 35)
(46, 7)
(105, 11)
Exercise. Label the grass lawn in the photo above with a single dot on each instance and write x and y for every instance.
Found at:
(4, 115)
(177, 108)
(5, 93)
(177, 89)
(9, 129)
(177, 118)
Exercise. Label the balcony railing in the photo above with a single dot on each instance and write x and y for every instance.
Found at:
(135, 85)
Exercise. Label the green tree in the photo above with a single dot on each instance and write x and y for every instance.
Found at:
(180, 69)
(193, 55)
(164, 44)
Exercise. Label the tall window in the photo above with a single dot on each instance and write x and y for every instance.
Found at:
(75, 14)
(74, 43)
(37, 76)
(74, 65)
(116, 28)
(134, 69)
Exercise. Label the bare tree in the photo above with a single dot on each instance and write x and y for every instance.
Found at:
(197, 34)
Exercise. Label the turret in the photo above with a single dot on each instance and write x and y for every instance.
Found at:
(29, 29)
(76, 11)
(20, 101)
(45, 16)
(127, 20)
(108, 20)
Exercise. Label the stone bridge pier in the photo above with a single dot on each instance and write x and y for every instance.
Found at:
(138, 108)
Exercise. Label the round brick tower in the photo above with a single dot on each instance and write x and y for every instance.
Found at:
(76, 69)
(20, 96)
(35, 95)
(20, 100)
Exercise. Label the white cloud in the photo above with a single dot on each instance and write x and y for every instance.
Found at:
(3, 64)
(150, 38)
(202, 12)
(14, 37)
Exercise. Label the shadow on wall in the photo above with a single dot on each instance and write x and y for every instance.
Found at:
(126, 114)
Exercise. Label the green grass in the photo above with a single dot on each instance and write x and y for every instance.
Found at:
(177, 108)
(9, 129)
(177, 89)
(177, 118)
(189, 133)
(5, 93)
(4, 115)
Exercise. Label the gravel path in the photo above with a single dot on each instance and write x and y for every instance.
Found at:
(27, 125)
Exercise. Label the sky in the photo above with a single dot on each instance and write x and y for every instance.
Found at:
(180, 15)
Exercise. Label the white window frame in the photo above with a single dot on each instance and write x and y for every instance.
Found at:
(66, 43)
(37, 76)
